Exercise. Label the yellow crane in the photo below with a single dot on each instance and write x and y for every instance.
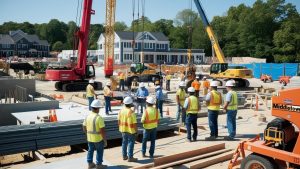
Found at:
(109, 37)
(221, 70)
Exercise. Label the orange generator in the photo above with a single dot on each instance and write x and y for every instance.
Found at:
(280, 145)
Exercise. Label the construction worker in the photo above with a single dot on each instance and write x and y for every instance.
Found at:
(150, 120)
(128, 127)
(107, 96)
(168, 79)
(180, 98)
(159, 99)
(134, 85)
(192, 107)
(213, 101)
(206, 85)
(141, 94)
(90, 93)
(93, 126)
(122, 81)
(230, 108)
(196, 84)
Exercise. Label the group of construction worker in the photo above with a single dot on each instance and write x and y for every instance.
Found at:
(151, 110)
(188, 108)
(94, 127)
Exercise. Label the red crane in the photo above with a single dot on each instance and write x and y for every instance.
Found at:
(74, 78)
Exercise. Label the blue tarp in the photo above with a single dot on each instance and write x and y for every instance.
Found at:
(273, 69)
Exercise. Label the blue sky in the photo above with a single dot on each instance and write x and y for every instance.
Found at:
(41, 11)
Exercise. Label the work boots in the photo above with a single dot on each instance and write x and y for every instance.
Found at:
(101, 166)
(132, 159)
(91, 165)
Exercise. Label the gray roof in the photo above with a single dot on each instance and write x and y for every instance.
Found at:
(185, 50)
(126, 35)
(17, 35)
(6, 39)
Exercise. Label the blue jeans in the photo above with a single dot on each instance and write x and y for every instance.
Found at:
(213, 122)
(90, 100)
(141, 106)
(99, 147)
(128, 141)
(107, 104)
(191, 120)
(181, 112)
(149, 135)
(159, 105)
(122, 84)
(168, 85)
(231, 122)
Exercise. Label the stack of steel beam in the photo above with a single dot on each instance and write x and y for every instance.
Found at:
(17, 139)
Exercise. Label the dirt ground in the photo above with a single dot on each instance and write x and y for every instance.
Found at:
(248, 126)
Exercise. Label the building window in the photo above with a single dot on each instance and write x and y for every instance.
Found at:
(136, 45)
(100, 46)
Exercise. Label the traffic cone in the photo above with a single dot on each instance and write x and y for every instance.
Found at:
(54, 115)
(168, 112)
(50, 115)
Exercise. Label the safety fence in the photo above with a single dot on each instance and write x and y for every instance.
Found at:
(273, 69)
(25, 138)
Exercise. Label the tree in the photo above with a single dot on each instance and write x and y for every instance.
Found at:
(120, 26)
(163, 25)
(58, 46)
(56, 31)
(72, 40)
(95, 31)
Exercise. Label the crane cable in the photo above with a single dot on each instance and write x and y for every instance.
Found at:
(78, 18)
(133, 24)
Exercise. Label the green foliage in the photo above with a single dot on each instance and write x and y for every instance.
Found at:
(269, 29)
(120, 26)
(58, 46)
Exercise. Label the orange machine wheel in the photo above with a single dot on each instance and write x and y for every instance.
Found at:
(254, 161)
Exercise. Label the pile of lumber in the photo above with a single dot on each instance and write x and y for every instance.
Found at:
(198, 158)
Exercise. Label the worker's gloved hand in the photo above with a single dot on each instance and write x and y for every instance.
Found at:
(105, 143)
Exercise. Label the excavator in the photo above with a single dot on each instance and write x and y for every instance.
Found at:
(221, 71)
(279, 147)
(75, 77)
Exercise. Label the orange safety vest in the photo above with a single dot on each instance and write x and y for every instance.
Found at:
(196, 84)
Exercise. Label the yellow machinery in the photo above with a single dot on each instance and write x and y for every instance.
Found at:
(221, 70)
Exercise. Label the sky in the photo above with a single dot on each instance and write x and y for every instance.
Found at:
(41, 11)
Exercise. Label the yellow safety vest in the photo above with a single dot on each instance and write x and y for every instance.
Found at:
(89, 89)
(150, 118)
(215, 100)
(127, 119)
(94, 123)
(168, 77)
(234, 101)
(122, 76)
(107, 92)
(181, 94)
(193, 106)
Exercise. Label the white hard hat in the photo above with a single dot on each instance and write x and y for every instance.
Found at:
(197, 77)
(128, 100)
(214, 84)
(191, 89)
(157, 87)
(108, 84)
(150, 100)
(182, 84)
(141, 84)
(204, 77)
(91, 81)
(230, 83)
(96, 104)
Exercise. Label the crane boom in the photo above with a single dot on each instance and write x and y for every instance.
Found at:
(83, 35)
(213, 39)
(109, 37)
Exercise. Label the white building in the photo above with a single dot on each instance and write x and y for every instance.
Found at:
(156, 49)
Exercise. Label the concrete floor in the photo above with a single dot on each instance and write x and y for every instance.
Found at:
(247, 127)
